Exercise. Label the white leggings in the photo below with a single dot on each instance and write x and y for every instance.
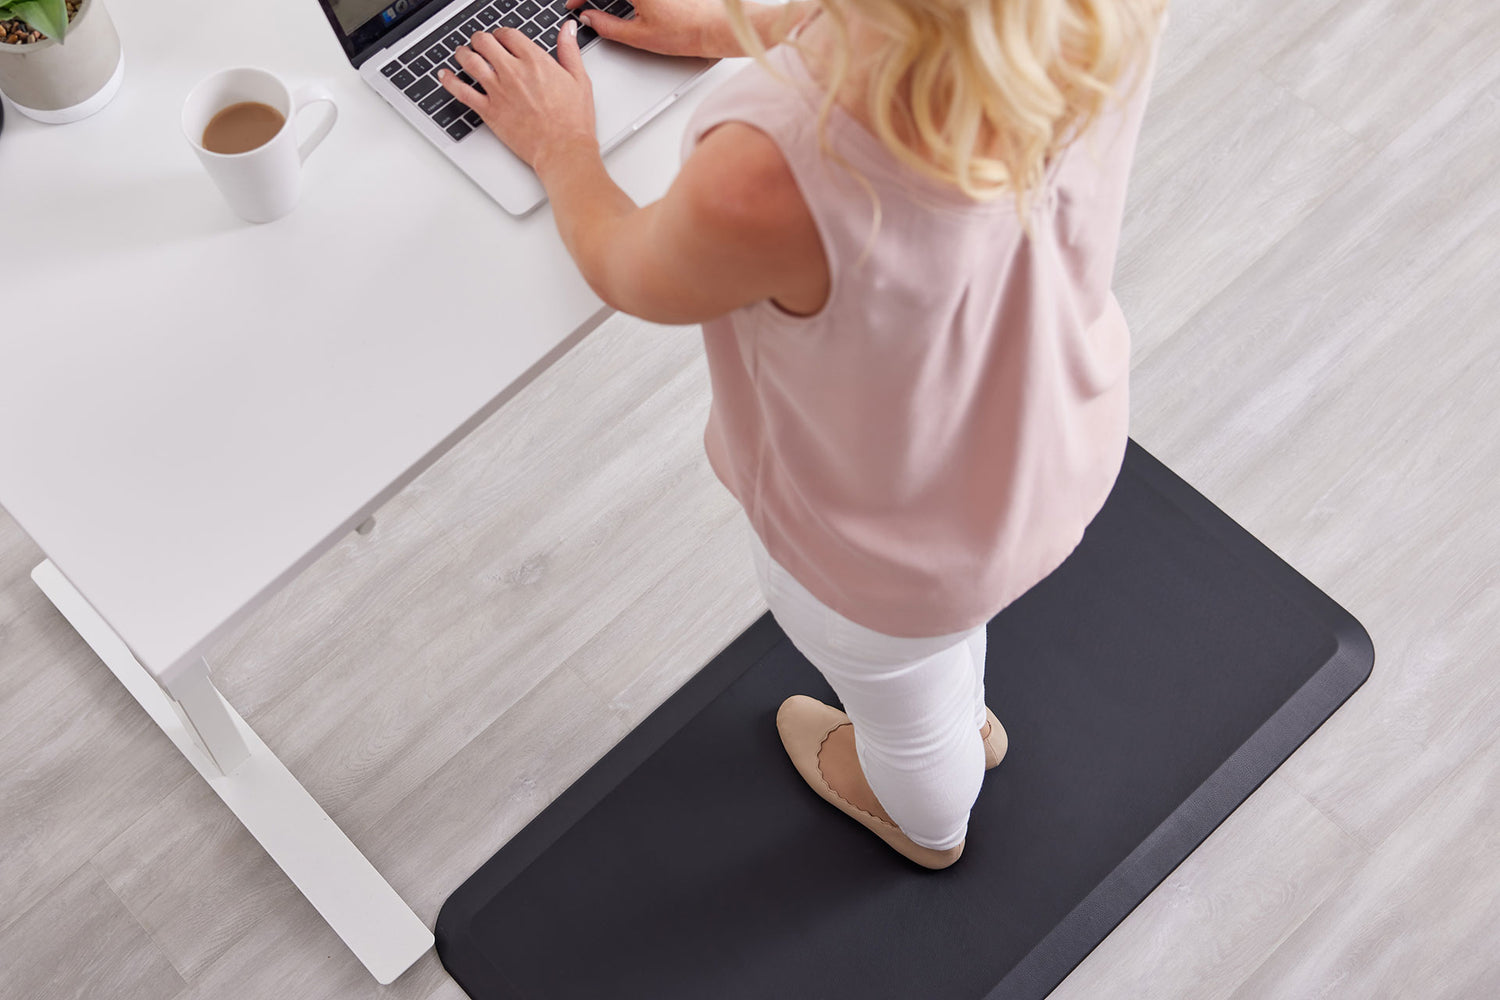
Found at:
(917, 705)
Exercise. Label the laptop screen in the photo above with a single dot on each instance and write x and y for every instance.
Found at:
(362, 25)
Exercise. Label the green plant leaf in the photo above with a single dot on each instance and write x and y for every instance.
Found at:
(50, 17)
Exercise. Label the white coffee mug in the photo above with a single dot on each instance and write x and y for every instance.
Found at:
(260, 184)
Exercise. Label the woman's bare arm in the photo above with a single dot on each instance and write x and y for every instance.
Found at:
(733, 229)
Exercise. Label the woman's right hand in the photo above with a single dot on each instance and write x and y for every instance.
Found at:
(671, 27)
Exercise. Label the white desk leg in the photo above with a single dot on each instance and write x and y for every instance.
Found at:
(358, 903)
(209, 719)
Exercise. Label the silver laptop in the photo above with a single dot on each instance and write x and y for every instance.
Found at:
(399, 45)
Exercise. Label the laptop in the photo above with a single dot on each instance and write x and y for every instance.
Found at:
(399, 45)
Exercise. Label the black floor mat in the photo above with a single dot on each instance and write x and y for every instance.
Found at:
(1148, 687)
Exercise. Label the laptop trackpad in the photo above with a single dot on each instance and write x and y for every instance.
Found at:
(630, 85)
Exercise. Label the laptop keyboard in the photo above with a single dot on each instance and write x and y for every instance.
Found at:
(414, 72)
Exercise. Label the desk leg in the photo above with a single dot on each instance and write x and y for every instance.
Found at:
(209, 719)
(358, 903)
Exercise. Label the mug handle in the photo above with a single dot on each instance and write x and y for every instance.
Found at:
(306, 96)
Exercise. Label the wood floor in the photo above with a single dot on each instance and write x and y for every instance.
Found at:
(1311, 266)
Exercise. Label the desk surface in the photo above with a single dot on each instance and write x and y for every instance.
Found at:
(192, 408)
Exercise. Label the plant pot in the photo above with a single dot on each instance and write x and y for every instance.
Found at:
(62, 82)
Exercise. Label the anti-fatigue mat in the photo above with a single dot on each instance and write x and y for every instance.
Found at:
(1149, 685)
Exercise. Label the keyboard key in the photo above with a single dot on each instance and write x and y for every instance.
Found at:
(466, 78)
(547, 18)
(506, 6)
(449, 113)
(402, 78)
(421, 88)
(473, 118)
(391, 69)
(436, 101)
(436, 54)
(472, 27)
(528, 8)
(419, 65)
(620, 8)
(530, 29)
(459, 129)
(586, 35)
(453, 22)
(454, 40)
(488, 16)
(512, 20)
(548, 39)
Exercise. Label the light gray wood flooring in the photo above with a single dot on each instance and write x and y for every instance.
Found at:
(1311, 265)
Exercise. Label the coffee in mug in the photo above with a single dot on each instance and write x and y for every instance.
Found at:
(241, 123)
(242, 127)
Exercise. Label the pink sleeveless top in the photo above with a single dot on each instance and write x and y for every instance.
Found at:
(935, 439)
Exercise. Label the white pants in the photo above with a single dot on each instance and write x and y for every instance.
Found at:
(917, 705)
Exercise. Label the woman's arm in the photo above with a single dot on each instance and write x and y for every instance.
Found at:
(733, 228)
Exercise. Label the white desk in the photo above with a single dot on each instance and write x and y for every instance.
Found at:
(193, 409)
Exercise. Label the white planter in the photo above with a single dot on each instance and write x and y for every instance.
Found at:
(58, 83)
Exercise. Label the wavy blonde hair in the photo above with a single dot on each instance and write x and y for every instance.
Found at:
(981, 94)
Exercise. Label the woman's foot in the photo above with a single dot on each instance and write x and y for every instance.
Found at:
(819, 739)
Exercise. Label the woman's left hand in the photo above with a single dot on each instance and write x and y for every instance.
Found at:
(538, 106)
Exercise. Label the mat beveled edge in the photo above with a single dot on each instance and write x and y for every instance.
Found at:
(1274, 741)
(1113, 899)
(531, 841)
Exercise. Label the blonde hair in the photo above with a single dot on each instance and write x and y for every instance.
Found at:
(982, 94)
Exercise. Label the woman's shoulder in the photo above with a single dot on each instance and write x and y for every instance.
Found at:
(738, 183)
(738, 186)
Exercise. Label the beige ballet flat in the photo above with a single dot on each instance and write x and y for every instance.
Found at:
(805, 724)
(995, 741)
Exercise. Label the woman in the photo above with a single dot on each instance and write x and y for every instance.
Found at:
(898, 229)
